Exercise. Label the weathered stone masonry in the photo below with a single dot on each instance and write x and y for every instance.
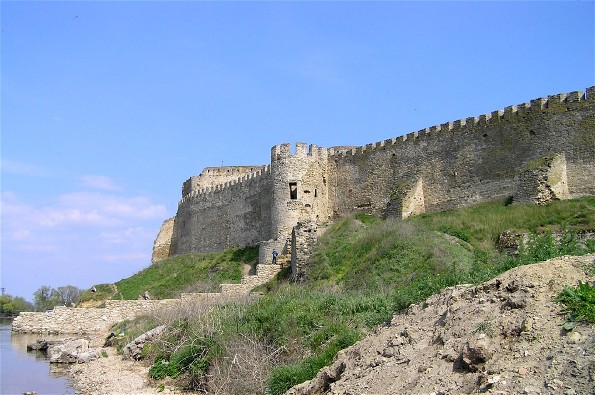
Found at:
(71, 320)
(533, 152)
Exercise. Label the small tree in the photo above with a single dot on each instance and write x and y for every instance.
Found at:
(10, 305)
(68, 295)
(44, 298)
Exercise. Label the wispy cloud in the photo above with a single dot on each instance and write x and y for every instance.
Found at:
(15, 167)
(127, 257)
(127, 236)
(78, 238)
(113, 207)
(100, 182)
(91, 210)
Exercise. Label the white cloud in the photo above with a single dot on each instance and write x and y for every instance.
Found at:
(114, 207)
(10, 166)
(123, 258)
(100, 182)
(78, 209)
(21, 234)
(127, 235)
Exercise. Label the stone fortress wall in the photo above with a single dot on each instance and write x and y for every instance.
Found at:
(532, 152)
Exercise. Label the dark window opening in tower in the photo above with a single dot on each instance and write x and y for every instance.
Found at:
(293, 190)
(315, 193)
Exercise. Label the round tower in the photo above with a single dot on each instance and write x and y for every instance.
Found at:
(299, 187)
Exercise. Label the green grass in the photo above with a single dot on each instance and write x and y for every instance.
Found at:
(102, 292)
(188, 273)
(481, 224)
(362, 271)
(580, 304)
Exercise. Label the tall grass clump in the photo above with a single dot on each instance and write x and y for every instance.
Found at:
(481, 224)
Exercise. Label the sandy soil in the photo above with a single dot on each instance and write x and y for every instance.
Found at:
(500, 337)
(113, 375)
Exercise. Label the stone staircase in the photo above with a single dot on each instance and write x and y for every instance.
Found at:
(264, 273)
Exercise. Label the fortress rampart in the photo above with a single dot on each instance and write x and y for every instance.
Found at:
(536, 151)
(82, 321)
(235, 213)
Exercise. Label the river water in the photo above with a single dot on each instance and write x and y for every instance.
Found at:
(22, 371)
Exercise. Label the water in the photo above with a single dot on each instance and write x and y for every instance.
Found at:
(22, 371)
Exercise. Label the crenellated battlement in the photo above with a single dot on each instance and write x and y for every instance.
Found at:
(207, 192)
(441, 167)
(554, 103)
(302, 151)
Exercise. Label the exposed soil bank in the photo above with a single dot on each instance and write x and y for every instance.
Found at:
(501, 337)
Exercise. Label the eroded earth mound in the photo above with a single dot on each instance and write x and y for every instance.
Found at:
(504, 336)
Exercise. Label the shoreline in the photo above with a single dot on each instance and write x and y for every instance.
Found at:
(113, 375)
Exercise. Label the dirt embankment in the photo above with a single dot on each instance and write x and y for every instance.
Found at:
(500, 337)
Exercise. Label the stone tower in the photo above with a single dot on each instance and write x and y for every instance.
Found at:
(299, 187)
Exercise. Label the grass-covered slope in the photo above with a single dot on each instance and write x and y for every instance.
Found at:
(188, 273)
(362, 271)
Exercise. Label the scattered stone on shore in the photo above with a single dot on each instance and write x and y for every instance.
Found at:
(73, 351)
(45, 344)
(66, 350)
(134, 349)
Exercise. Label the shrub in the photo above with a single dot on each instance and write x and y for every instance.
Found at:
(580, 304)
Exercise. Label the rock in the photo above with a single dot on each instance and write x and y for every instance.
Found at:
(390, 352)
(44, 344)
(476, 352)
(321, 383)
(509, 242)
(516, 301)
(134, 349)
(573, 337)
(72, 351)
(527, 324)
(530, 390)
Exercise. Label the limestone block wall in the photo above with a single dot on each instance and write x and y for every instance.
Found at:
(443, 167)
(299, 186)
(233, 214)
(471, 160)
(163, 241)
(304, 237)
(544, 180)
(70, 320)
(210, 177)
(264, 273)
(85, 320)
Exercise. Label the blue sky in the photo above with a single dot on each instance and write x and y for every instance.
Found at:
(107, 107)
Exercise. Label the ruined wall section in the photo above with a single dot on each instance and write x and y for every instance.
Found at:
(299, 187)
(471, 160)
(234, 214)
(163, 241)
